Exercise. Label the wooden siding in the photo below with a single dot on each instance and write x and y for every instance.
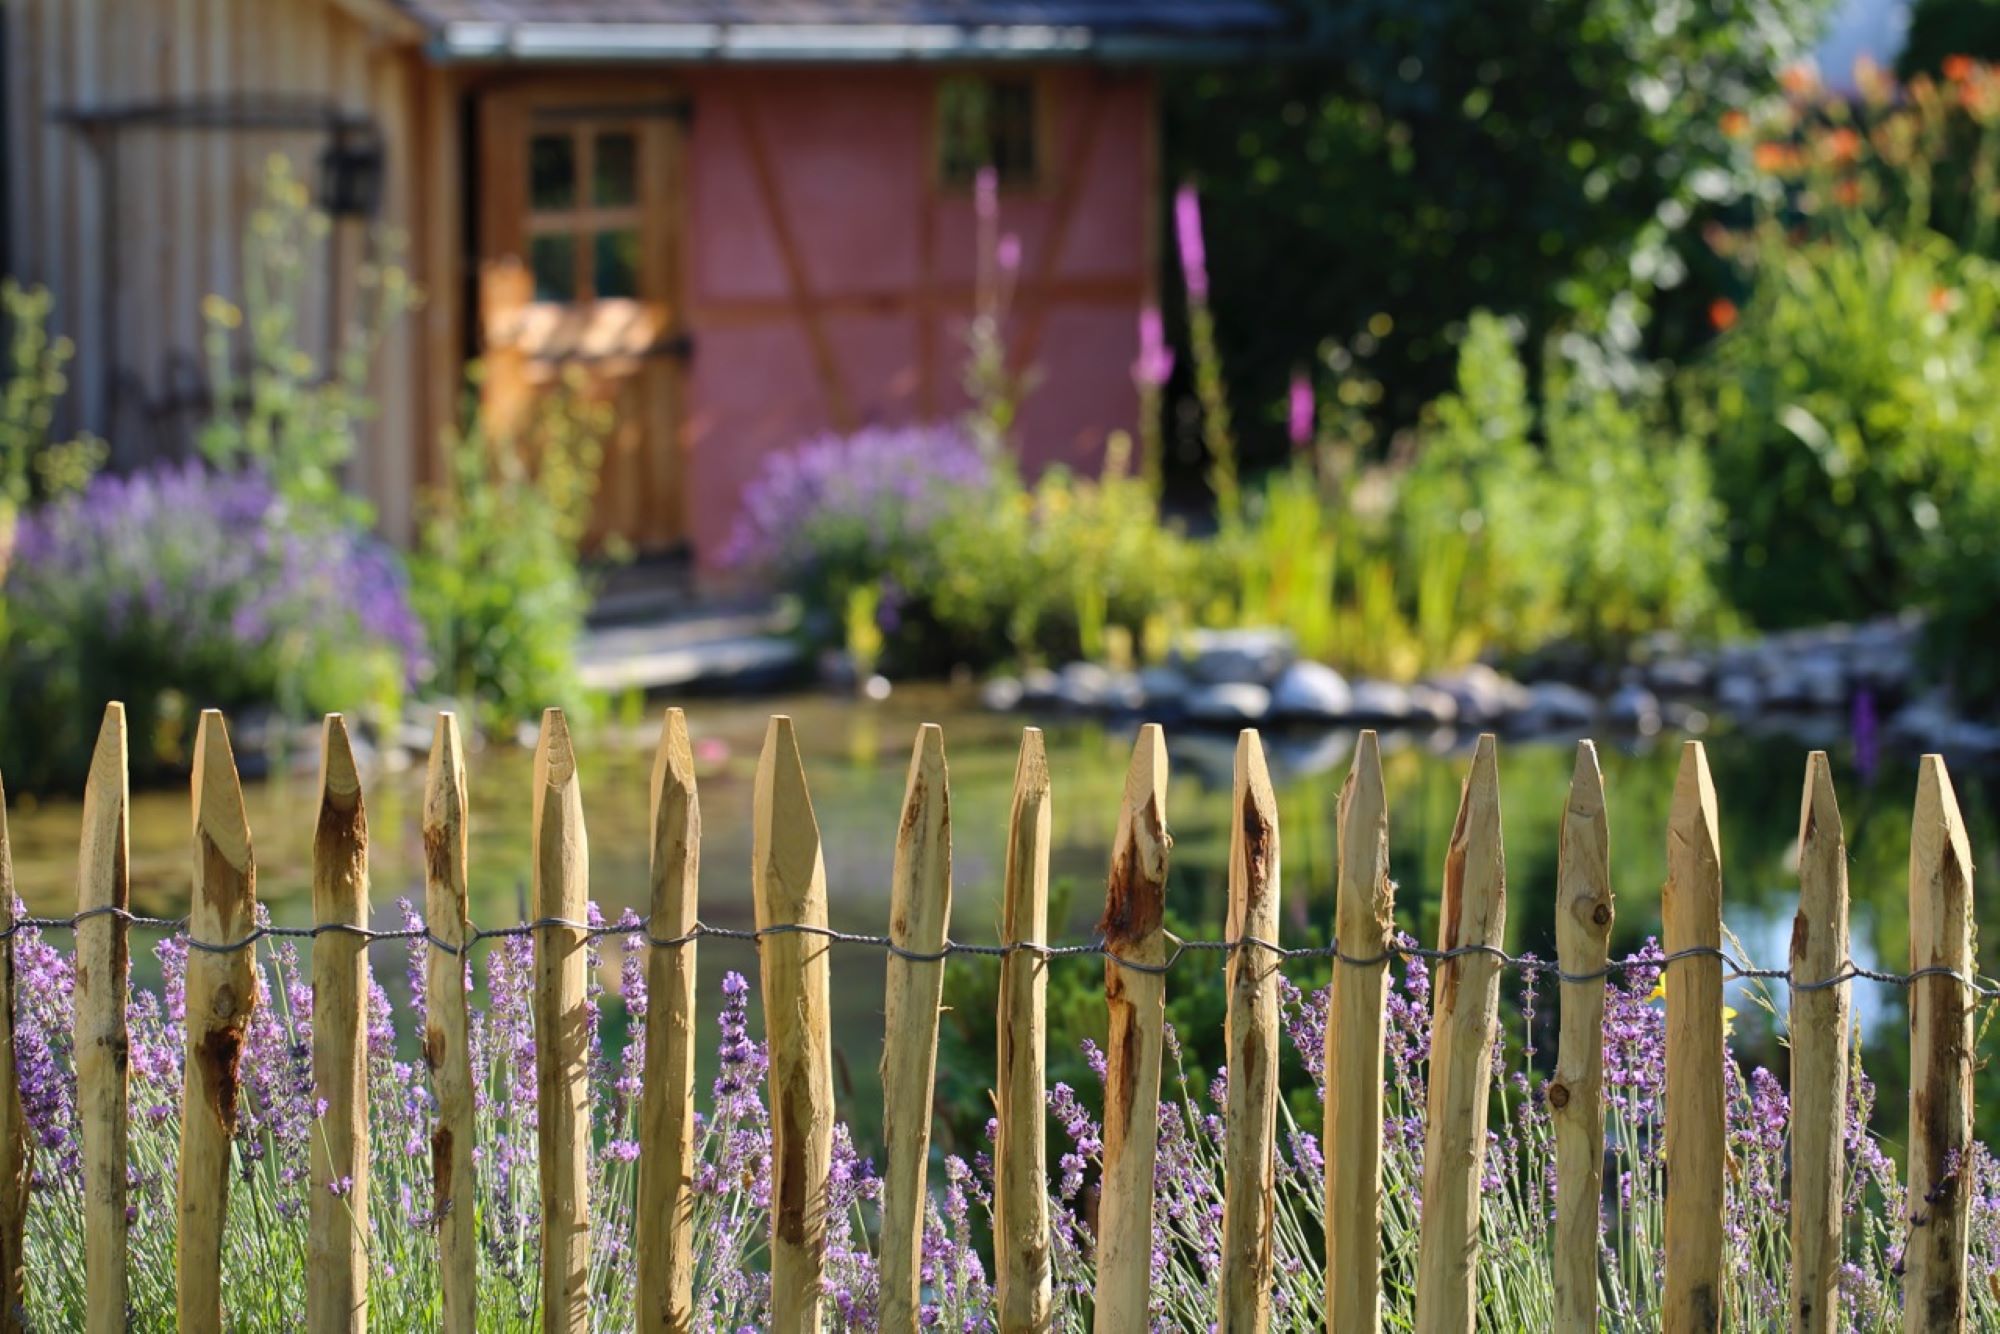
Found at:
(130, 227)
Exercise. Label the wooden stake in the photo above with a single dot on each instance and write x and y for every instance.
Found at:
(1249, 1154)
(919, 917)
(102, 1045)
(1697, 1149)
(561, 855)
(1133, 929)
(1940, 1200)
(221, 992)
(1465, 1015)
(337, 1245)
(1819, 1024)
(788, 881)
(1576, 1097)
(1364, 922)
(447, 1029)
(1021, 1197)
(666, 1118)
(14, 1151)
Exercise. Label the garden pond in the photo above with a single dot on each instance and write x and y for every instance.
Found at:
(857, 753)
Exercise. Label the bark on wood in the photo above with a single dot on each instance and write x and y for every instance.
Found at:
(1940, 1194)
(919, 918)
(14, 1153)
(1363, 926)
(102, 1046)
(337, 1244)
(1697, 1150)
(1465, 1013)
(1249, 1153)
(1819, 1023)
(666, 1126)
(788, 881)
(1134, 906)
(561, 857)
(221, 992)
(1576, 1097)
(1021, 1198)
(447, 1029)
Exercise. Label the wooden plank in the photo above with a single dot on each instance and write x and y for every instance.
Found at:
(221, 990)
(337, 1238)
(1251, 1036)
(447, 1029)
(1122, 291)
(103, 885)
(1133, 929)
(788, 882)
(439, 259)
(1584, 912)
(15, 1159)
(1818, 1036)
(1021, 1198)
(1364, 921)
(1465, 1017)
(665, 1240)
(1697, 1149)
(919, 918)
(1941, 1054)
(562, 892)
(21, 166)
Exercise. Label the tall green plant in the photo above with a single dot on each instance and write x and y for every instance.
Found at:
(34, 466)
(496, 576)
(279, 405)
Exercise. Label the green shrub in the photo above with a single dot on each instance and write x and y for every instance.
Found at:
(1589, 520)
(1855, 408)
(496, 576)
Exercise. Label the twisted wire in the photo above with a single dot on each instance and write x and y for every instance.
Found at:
(1733, 969)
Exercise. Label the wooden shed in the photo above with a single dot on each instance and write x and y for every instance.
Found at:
(745, 221)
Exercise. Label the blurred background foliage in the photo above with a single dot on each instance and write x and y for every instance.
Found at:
(1551, 161)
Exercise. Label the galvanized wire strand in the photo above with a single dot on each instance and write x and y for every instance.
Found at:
(1733, 969)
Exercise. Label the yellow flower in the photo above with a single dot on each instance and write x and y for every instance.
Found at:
(1659, 993)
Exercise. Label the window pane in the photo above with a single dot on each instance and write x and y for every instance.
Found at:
(986, 122)
(552, 171)
(552, 258)
(617, 169)
(618, 263)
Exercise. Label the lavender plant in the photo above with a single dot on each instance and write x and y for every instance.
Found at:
(264, 1263)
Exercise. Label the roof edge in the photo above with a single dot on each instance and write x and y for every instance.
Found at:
(823, 43)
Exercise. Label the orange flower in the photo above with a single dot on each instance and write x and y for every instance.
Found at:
(1774, 157)
(1842, 144)
(1735, 124)
(1958, 68)
(1847, 192)
(1943, 299)
(1800, 80)
(1722, 314)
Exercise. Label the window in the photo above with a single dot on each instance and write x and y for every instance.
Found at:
(583, 212)
(987, 121)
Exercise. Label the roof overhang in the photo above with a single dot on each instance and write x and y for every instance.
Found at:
(824, 43)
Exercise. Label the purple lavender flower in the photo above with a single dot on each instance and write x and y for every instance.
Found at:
(1194, 252)
(1156, 360)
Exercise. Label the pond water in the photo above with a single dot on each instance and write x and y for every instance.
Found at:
(856, 756)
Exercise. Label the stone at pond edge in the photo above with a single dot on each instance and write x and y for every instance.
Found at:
(1039, 685)
(1214, 657)
(1634, 706)
(1312, 692)
(1381, 702)
(1002, 694)
(1234, 702)
(1558, 704)
(1482, 694)
(1163, 690)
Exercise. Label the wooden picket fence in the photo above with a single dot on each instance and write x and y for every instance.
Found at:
(789, 885)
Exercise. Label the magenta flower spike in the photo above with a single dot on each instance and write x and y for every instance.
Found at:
(1194, 254)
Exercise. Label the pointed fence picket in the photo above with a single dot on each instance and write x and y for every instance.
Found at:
(788, 881)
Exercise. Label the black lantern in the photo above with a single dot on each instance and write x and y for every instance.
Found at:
(350, 173)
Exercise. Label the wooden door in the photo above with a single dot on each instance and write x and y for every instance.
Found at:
(580, 189)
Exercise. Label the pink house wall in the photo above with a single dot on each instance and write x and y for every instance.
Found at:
(829, 275)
